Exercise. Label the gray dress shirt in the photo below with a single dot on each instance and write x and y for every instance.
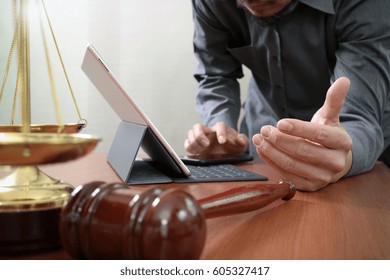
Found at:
(294, 56)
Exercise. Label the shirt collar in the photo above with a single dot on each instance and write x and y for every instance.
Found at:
(322, 5)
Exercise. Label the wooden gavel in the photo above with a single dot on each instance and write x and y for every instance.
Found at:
(114, 221)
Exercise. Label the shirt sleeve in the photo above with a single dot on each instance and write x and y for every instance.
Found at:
(362, 55)
(218, 98)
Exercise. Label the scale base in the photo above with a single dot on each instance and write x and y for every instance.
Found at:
(30, 206)
(29, 232)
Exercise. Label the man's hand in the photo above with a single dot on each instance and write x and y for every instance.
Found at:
(311, 154)
(218, 139)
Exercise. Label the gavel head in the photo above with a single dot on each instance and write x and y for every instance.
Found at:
(113, 221)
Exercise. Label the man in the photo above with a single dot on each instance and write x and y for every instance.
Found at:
(318, 101)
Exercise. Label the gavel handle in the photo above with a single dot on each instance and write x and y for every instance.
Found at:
(245, 199)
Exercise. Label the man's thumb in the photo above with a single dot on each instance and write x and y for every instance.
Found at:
(334, 101)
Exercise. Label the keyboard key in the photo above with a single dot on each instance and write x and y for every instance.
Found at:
(219, 173)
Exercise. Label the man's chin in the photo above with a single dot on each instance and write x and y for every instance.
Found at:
(262, 13)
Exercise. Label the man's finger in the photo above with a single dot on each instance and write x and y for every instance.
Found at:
(221, 131)
(200, 134)
(327, 136)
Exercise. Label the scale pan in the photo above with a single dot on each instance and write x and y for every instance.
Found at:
(45, 128)
(43, 148)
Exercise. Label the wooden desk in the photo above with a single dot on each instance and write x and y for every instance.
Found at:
(346, 220)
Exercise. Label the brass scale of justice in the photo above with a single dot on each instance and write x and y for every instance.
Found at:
(27, 195)
(34, 215)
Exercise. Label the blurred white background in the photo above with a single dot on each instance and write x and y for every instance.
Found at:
(147, 44)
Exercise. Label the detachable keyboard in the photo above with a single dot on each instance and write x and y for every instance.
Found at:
(144, 172)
